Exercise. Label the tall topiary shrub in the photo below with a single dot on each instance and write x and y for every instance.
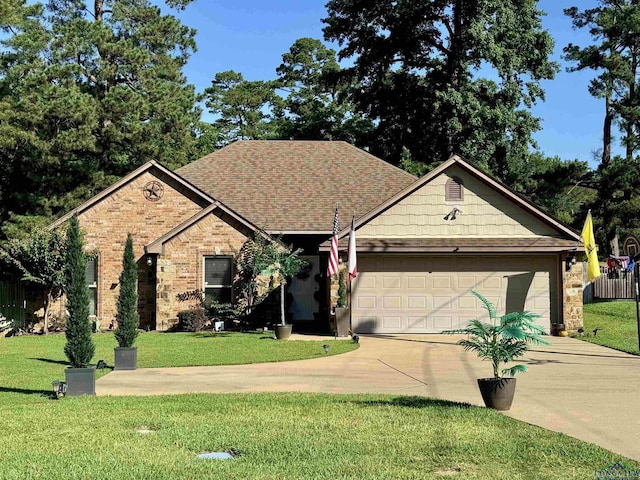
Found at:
(79, 348)
(342, 289)
(127, 314)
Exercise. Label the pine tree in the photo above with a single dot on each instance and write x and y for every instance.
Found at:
(127, 315)
(79, 348)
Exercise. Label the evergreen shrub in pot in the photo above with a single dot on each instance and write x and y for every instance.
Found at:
(79, 347)
(503, 339)
(126, 355)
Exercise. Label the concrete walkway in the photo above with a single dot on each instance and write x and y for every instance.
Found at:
(583, 390)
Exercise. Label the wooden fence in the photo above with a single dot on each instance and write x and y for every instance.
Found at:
(12, 302)
(613, 285)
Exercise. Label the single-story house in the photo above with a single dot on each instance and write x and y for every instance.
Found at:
(422, 244)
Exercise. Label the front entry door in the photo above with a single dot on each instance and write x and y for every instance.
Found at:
(303, 287)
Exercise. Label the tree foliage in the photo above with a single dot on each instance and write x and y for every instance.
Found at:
(614, 56)
(447, 76)
(88, 92)
(316, 104)
(79, 348)
(127, 303)
(38, 260)
(242, 107)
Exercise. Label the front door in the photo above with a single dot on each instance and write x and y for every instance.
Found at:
(304, 289)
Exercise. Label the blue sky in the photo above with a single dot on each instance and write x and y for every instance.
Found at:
(250, 36)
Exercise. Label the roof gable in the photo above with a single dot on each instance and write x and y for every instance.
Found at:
(155, 169)
(293, 186)
(488, 209)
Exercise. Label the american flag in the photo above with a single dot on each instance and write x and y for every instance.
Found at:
(333, 255)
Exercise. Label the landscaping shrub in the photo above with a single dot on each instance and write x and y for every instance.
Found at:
(192, 320)
(79, 348)
(127, 314)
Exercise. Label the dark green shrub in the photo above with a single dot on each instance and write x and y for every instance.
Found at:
(342, 289)
(79, 348)
(192, 320)
(127, 313)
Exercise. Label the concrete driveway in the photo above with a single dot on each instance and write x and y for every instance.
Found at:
(583, 390)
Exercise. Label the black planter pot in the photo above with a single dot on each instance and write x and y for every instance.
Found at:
(283, 332)
(497, 393)
(80, 381)
(125, 358)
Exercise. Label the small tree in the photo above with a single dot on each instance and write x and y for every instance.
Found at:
(40, 261)
(127, 314)
(79, 348)
(284, 263)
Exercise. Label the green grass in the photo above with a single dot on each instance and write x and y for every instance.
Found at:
(292, 436)
(617, 319)
(30, 363)
(282, 436)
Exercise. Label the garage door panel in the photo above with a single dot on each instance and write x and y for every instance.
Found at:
(442, 323)
(416, 302)
(391, 282)
(367, 282)
(416, 283)
(392, 302)
(418, 324)
(391, 323)
(365, 302)
(425, 294)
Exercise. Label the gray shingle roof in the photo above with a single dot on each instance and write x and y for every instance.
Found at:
(287, 186)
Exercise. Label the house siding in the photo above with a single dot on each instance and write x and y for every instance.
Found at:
(484, 212)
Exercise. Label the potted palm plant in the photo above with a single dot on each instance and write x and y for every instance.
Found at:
(125, 354)
(283, 264)
(501, 340)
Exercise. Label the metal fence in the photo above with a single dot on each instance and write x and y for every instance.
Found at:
(12, 302)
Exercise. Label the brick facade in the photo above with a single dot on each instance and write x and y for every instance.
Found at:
(180, 266)
(127, 210)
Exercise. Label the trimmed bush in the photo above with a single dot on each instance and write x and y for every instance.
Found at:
(192, 320)
(79, 348)
(127, 315)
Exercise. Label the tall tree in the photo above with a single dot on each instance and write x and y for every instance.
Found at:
(243, 107)
(90, 89)
(316, 104)
(615, 27)
(421, 68)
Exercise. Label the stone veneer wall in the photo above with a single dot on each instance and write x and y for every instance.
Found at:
(179, 268)
(572, 296)
(126, 210)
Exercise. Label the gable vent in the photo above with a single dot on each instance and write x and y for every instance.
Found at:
(454, 189)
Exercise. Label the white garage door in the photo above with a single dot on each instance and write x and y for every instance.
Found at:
(428, 294)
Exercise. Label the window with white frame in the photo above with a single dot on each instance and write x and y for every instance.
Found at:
(92, 285)
(218, 279)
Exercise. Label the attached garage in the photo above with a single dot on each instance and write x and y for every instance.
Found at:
(422, 252)
(431, 293)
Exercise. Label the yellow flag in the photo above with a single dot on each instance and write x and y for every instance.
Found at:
(593, 268)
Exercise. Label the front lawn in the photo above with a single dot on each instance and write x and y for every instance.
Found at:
(30, 363)
(277, 435)
(282, 436)
(616, 321)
